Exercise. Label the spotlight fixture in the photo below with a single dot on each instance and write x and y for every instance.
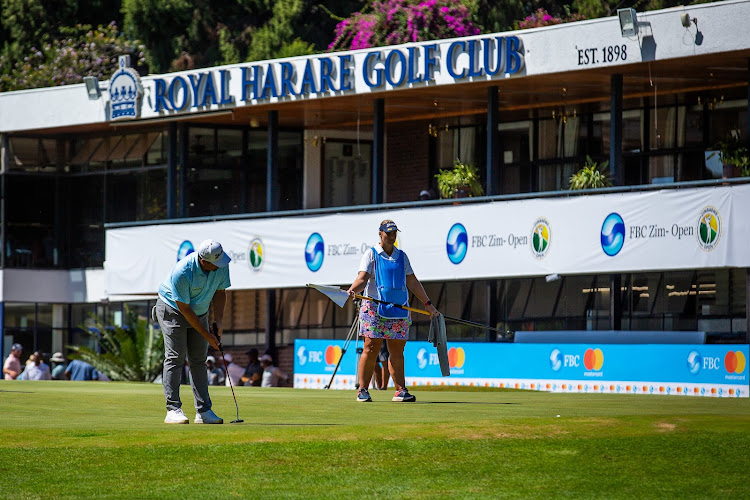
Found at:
(686, 20)
(92, 87)
(628, 21)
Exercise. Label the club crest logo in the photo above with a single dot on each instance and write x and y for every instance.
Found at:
(125, 91)
(540, 238)
(255, 254)
(709, 229)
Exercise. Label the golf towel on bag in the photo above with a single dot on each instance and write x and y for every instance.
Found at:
(437, 337)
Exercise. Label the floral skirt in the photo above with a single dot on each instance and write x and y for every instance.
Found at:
(373, 326)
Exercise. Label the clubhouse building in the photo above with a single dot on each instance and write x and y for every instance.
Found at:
(292, 163)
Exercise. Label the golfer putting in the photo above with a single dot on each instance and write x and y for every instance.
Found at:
(386, 273)
(196, 282)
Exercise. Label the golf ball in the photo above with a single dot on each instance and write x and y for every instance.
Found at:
(558, 415)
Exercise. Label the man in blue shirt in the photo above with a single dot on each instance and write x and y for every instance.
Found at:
(196, 283)
(80, 370)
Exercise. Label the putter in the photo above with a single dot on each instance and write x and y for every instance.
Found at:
(215, 331)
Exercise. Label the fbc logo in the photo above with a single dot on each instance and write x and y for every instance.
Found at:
(593, 359)
(425, 358)
(694, 362)
(456, 357)
(613, 234)
(540, 238)
(314, 252)
(333, 354)
(709, 229)
(186, 248)
(555, 359)
(255, 254)
(457, 243)
(734, 362)
(301, 355)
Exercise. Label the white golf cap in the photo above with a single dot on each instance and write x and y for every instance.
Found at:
(211, 359)
(211, 251)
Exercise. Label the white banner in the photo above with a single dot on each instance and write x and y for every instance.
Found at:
(625, 232)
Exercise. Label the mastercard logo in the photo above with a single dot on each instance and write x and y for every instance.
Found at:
(456, 357)
(593, 359)
(734, 362)
(333, 354)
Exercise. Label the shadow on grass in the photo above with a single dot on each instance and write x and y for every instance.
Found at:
(19, 392)
(461, 403)
(264, 424)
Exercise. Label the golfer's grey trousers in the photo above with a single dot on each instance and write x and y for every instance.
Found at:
(181, 340)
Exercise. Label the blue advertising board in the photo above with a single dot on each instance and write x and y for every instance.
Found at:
(683, 369)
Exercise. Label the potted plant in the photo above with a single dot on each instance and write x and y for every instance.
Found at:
(733, 155)
(461, 181)
(591, 176)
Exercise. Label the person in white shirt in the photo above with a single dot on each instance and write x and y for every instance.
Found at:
(38, 370)
(272, 375)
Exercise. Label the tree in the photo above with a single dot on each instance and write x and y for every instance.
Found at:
(76, 52)
(134, 352)
(392, 22)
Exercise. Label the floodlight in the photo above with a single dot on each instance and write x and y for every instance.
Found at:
(628, 21)
(92, 87)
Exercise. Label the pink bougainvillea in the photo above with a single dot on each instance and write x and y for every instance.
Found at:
(392, 22)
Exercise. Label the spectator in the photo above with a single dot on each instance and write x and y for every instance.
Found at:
(215, 375)
(12, 365)
(381, 376)
(80, 370)
(254, 372)
(272, 375)
(38, 370)
(235, 371)
(425, 195)
(58, 366)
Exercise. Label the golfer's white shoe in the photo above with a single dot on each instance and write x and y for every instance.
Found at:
(207, 417)
(176, 417)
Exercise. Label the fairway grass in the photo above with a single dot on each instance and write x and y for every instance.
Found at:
(107, 440)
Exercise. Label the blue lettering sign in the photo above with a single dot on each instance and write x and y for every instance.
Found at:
(514, 59)
(326, 82)
(225, 97)
(489, 49)
(413, 77)
(430, 61)
(473, 59)
(451, 59)
(369, 67)
(390, 68)
(270, 85)
(345, 72)
(308, 80)
(287, 76)
(209, 91)
(161, 98)
(250, 82)
(178, 83)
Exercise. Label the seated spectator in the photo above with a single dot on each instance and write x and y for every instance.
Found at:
(37, 370)
(58, 366)
(272, 375)
(235, 371)
(253, 372)
(215, 375)
(80, 370)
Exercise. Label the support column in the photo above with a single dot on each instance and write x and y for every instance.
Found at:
(615, 131)
(4, 159)
(615, 302)
(172, 160)
(182, 179)
(747, 305)
(271, 321)
(493, 155)
(491, 309)
(272, 163)
(378, 151)
(747, 125)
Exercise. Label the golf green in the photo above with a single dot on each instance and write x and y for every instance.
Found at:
(108, 440)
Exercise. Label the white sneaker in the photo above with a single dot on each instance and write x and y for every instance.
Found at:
(207, 417)
(176, 417)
